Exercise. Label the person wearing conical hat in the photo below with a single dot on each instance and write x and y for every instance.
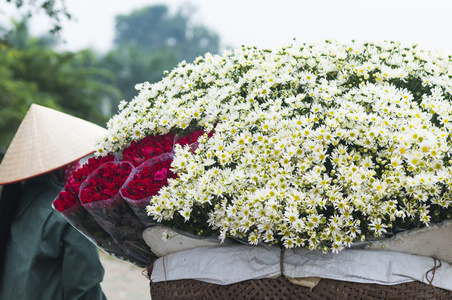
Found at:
(41, 255)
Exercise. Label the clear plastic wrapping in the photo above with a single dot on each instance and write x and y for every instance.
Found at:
(68, 205)
(145, 181)
(100, 196)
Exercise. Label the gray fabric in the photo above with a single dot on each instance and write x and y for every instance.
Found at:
(231, 264)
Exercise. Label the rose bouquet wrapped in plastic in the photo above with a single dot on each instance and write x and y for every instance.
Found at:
(145, 182)
(106, 198)
(68, 204)
(99, 195)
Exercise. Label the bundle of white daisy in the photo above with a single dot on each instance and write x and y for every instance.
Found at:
(313, 145)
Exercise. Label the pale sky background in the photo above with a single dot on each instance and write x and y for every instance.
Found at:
(266, 23)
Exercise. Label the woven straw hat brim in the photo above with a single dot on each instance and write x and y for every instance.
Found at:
(47, 140)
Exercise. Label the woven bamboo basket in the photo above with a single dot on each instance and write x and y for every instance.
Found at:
(281, 288)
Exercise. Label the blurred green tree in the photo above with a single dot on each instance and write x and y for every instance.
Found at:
(153, 28)
(31, 72)
(151, 40)
(55, 10)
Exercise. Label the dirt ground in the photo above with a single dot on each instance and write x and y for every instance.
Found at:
(123, 280)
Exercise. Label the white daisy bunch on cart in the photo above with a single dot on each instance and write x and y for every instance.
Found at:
(310, 145)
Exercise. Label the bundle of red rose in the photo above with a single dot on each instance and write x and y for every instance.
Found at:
(100, 196)
(145, 182)
(106, 198)
(68, 204)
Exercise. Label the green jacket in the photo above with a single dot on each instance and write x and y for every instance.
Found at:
(47, 259)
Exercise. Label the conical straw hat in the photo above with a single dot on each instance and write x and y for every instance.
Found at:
(47, 140)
